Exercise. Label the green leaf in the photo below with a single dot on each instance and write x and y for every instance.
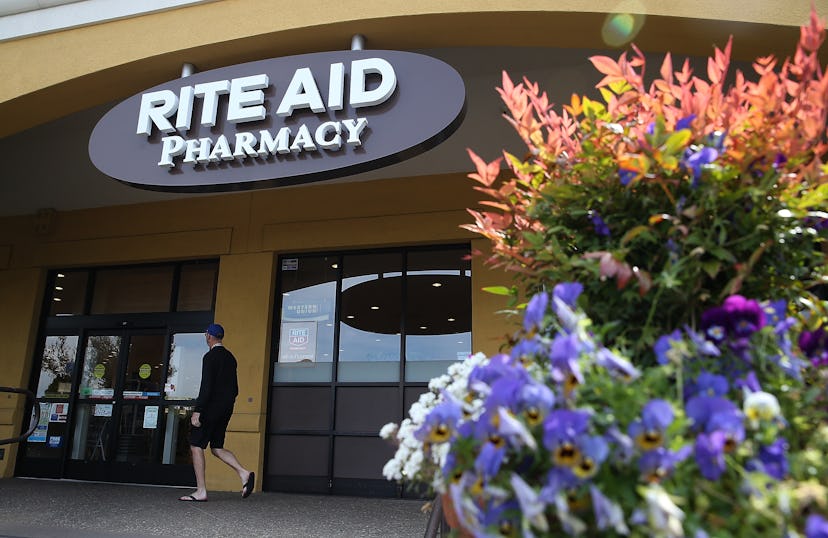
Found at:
(633, 233)
(712, 267)
(677, 141)
(722, 254)
(498, 290)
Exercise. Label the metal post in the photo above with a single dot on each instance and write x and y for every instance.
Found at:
(358, 42)
(187, 69)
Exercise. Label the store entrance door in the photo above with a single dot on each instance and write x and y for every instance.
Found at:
(118, 427)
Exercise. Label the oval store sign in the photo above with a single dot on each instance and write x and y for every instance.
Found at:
(280, 121)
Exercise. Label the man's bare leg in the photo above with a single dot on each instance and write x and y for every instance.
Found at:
(199, 466)
(230, 459)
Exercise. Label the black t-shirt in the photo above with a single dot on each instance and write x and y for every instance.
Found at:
(219, 384)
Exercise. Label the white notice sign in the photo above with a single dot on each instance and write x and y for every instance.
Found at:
(151, 417)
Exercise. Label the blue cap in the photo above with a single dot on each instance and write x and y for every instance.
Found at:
(216, 330)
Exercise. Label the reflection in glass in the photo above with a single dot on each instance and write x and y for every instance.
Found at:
(90, 441)
(369, 329)
(57, 365)
(184, 373)
(197, 286)
(133, 289)
(99, 366)
(176, 431)
(438, 312)
(69, 293)
(144, 362)
(136, 431)
(306, 333)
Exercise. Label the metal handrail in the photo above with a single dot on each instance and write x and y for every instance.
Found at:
(30, 397)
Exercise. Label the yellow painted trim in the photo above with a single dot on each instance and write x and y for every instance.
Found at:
(7, 414)
(366, 231)
(136, 249)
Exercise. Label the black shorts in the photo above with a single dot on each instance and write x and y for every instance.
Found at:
(210, 432)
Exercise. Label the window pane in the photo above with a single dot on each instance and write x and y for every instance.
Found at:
(176, 430)
(438, 312)
(100, 364)
(137, 429)
(144, 363)
(69, 293)
(134, 289)
(57, 367)
(369, 337)
(48, 439)
(184, 373)
(93, 431)
(197, 287)
(307, 319)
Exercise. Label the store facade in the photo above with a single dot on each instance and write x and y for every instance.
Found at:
(343, 286)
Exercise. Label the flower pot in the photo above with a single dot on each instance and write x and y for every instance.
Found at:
(450, 514)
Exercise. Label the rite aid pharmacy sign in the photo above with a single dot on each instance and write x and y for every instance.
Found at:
(281, 121)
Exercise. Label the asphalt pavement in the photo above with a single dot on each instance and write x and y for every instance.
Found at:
(36, 508)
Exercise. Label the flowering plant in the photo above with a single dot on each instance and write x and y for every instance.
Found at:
(692, 403)
(690, 189)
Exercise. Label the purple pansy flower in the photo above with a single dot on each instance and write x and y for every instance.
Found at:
(656, 464)
(598, 224)
(694, 159)
(685, 122)
(535, 311)
(441, 422)
(568, 292)
(709, 450)
(774, 459)
(814, 344)
(626, 176)
(664, 344)
(648, 431)
(816, 526)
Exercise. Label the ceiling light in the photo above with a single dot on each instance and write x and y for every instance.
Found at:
(334, 266)
(350, 317)
(423, 327)
(450, 319)
(437, 284)
(58, 288)
(374, 308)
(58, 299)
(60, 275)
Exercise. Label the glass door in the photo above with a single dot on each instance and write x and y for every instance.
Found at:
(119, 421)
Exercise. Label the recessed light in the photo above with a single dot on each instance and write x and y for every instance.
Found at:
(437, 284)
(374, 308)
(450, 319)
(423, 327)
(58, 288)
(58, 299)
(334, 266)
(350, 317)
(60, 275)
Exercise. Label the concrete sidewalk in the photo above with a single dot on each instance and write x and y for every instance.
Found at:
(51, 508)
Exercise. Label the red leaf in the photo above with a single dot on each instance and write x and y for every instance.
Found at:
(607, 66)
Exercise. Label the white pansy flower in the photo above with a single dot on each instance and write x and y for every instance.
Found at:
(761, 406)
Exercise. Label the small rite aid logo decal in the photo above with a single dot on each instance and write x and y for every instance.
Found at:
(280, 121)
(298, 337)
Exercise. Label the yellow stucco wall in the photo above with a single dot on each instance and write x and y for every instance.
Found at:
(21, 292)
(109, 61)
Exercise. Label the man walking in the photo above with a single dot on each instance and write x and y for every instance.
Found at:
(213, 409)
